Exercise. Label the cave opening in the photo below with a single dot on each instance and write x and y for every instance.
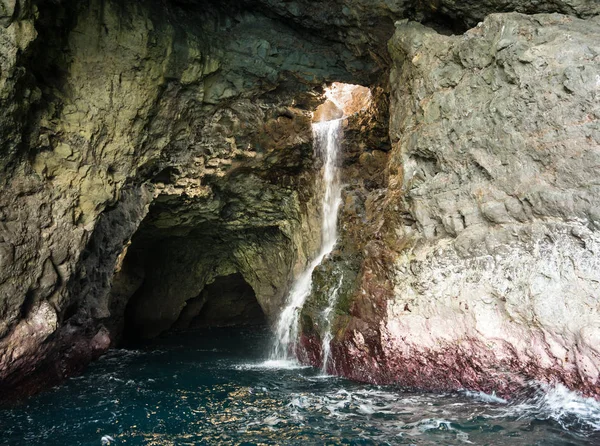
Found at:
(200, 280)
(229, 301)
(224, 253)
(342, 100)
(227, 257)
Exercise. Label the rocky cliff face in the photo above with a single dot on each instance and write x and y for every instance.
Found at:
(482, 264)
(187, 127)
(148, 150)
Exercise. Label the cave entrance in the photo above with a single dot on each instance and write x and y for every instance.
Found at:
(343, 100)
(229, 301)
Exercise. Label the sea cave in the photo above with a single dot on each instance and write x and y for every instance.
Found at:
(296, 222)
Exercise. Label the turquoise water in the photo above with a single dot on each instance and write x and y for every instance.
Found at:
(211, 387)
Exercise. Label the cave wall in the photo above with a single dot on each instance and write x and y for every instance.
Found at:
(482, 268)
(147, 148)
(517, 136)
(365, 26)
(115, 115)
(228, 301)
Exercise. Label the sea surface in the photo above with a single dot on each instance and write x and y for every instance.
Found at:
(214, 387)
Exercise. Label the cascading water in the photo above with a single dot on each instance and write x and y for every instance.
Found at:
(327, 335)
(327, 139)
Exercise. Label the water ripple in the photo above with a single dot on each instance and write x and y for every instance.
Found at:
(185, 392)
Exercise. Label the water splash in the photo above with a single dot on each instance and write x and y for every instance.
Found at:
(485, 397)
(186, 394)
(273, 364)
(327, 335)
(327, 138)
(568, 408)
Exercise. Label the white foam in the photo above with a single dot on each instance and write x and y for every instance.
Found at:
(432, 423)
(485, 397)
(274, 364)
(327, 335)
(367, 409)
(106, 440)
(436, 424)
(321, 377)
(272, 420)
(568, 408)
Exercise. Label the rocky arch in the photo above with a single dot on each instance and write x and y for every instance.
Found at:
(227, 301)
(175, 271)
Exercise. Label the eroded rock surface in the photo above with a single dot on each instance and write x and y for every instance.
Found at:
(149, 148)
(116, 114)
(482, 263)
(366, 25)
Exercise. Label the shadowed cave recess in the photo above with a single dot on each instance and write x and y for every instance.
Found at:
(159, 175)
(229, 301)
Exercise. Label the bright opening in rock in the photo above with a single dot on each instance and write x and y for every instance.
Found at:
(343, 100)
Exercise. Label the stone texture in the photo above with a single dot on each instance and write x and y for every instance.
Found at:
(141, 134)
(114, 107)
(366, 25)
(252, 212)
(351, 99)
(481, 267)
(228, 301)
(327, 111)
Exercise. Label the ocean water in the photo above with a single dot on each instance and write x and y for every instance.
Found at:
(215, 387)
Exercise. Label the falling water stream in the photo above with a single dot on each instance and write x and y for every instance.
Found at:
(327, 145)
(327, 335)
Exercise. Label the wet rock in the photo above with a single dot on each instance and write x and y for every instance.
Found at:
(106, 109)
(472, 276)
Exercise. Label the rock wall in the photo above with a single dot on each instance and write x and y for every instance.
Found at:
(255, 213)
(482, 264)
(114, 115)
(149, 148)
(365, 26)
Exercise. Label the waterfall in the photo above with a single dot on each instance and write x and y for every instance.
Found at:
(327, 334)
(326, 136)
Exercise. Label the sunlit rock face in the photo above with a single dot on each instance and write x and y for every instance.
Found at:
(481, 263)
(342, 101)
